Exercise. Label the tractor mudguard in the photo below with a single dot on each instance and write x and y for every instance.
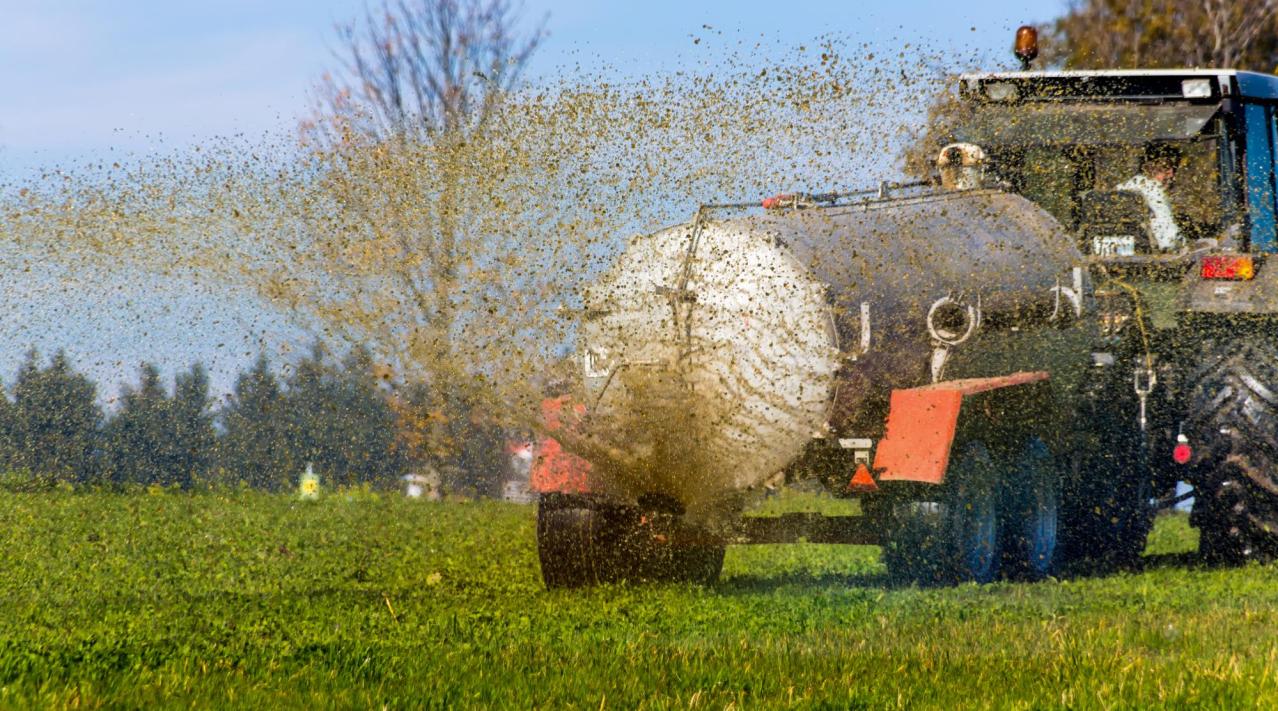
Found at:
(922, 422)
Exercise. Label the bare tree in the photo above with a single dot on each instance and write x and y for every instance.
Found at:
(412, 154)
(438, 66)
(1234, 28)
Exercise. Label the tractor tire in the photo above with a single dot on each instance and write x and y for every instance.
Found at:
(577, 543)
(953, 537)
(1233, 425)
(1029, 513)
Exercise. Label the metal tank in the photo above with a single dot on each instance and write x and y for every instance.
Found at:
(714, 352)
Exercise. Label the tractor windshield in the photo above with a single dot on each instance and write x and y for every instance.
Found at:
(1055, 153)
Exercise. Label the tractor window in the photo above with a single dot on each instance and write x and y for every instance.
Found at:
(1048, 177)
(1196, 193)
(1054, 176)
(1260, 176)
(1073, 124)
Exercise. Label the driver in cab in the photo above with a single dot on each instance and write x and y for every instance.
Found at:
(1153, 183)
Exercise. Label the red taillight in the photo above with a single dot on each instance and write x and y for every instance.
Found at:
(1228, 266)
(1182, 453)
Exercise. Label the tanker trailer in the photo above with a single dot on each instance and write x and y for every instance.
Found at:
(836, 337)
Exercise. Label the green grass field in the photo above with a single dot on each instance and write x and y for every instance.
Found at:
(260, 601)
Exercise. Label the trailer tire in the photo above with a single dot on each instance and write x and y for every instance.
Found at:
(1233, 423)
(668, 562)
(953, 538)
(577, 543)
(1106, 517)
(1030, 510)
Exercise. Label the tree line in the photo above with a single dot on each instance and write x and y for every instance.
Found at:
(336, 415)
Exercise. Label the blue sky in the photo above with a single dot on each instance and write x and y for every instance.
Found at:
(84, 76)
(85, 80)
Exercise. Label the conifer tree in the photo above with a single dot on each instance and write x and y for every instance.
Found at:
(135, 438)
(193, 438)
(55, 420)
(157, 439)
(6, 431)
(340, 422)
(255, 446)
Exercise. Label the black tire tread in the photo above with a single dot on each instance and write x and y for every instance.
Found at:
(582, 543)
(928, 549)
(1106, 486)
(1031, 481)
(1233, 424)
(576, 545)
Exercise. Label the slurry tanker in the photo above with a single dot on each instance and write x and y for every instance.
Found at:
(1009, 366)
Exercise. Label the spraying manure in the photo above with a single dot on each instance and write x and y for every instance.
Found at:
(925, 347)
(461, 259)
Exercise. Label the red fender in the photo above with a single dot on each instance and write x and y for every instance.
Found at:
(554, 470)
(921, 424)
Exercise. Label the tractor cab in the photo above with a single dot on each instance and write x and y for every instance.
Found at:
(1076, 142)
(1184, 383)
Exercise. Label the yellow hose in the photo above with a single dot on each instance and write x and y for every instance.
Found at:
(1139, 313)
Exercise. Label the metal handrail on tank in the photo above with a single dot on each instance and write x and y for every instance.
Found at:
(797, 201)
(884, 191)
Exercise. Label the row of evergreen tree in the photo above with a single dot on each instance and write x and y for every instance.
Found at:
(332, 415)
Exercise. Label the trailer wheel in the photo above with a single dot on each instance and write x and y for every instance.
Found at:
(1233, 423)
(577, 543)
(659, 546)
(953, 537)
(1030, 510)
(1105, 517)
(679, 563)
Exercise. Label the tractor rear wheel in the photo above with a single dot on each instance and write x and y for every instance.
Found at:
(577, 543)
(1233, 423)
(1029, 511)
(952, 537)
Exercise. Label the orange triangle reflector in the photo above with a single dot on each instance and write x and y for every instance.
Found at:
(862, 480)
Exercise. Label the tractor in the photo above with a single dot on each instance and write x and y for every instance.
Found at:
(1185, 381)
